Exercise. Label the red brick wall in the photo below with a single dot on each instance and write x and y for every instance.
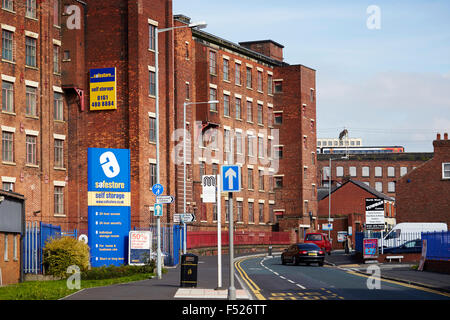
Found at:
(423, 195)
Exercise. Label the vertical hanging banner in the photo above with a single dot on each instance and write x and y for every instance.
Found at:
(109, 200)
(102, 89)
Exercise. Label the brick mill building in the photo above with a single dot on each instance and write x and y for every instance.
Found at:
(265, 119)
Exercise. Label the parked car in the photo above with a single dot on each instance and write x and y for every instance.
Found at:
(320, 239)
(303, 252)
(413, 246)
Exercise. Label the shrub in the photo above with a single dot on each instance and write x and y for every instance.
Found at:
(117, 272)
(60, 253)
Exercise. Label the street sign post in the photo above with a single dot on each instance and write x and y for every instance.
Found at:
(165, 199)
(157, 190)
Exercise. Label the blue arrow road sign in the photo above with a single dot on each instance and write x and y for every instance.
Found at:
(231, 178)
(158, 210)
(157, 189)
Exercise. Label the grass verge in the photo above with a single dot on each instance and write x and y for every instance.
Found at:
(57, 289)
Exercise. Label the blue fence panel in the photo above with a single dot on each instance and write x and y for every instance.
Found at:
(438, 245)
(359, 237)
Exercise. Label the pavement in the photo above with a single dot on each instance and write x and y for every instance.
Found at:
(168, 288)
(402, 272)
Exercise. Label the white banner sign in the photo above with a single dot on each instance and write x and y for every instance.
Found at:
(209, 189)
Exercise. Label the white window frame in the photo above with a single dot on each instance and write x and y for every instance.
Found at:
(444, 171)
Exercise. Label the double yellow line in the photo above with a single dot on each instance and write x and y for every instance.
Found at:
(250, 283)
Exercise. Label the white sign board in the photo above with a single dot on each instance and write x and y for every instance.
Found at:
(140, 244)
(374, 213)
(209, 189)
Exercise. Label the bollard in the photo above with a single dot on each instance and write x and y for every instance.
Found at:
(270, 251)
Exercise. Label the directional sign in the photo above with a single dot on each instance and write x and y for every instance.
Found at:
(231, 178)
(157, 189)
(158, 210)
(183, 217)
(165, 199)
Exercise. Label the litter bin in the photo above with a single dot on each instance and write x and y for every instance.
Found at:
(189, 263)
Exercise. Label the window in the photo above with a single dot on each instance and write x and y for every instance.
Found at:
(249, 77)
(215, 169)
(278, 182)
(15, 246)
(152, 83)
(403, 171)
(446, 170)
(59, 153)
(8, 5)
(261, 212)
(260, 147)
(31, 9)
(5, 251)
(261, 180)
(188, 91)
(30, 51)
(212, 63)
(305, 142)
(249, 111)
(250, 179)
(238, 108)
(7, 45)
(202, 169)
(250, 145)
(391, 172)
(8, 186)
(379, 186)
(152, 37)
(278, 152)
(260, 114)
(378, 171)
(278, 116)
(226, 105)
(226, 70)
(186, 50)
(270, 84)
(152, 129)
(7, 96)
(352, 171)
(56, 67)
(391, 186)
(58, 106)
(326, 172)
(260, 81)
(238, 142)
(227, 138)
(365, 171)
(7, 146)
(251, 216)
(31, 149)
(31, 101)
(152, 174)
(239, 208)
(237, 74)
(212, 97)
(59, 200)
(56, 6)
(304, 110)
(339, 171)
(311, 95)
(278, 86)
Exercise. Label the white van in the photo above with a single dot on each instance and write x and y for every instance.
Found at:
(407, 231)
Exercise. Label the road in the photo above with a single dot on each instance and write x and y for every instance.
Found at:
(268, 279)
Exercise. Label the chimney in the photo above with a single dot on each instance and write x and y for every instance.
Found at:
(445, 136)
(438, 137)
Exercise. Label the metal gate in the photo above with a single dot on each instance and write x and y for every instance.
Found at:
(36, 236)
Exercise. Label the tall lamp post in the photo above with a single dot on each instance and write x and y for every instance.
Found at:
(185, 104)
(329, 193)
(198, 25)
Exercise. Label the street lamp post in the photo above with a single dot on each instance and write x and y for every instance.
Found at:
(199, 25)
(329, 193)
(185, 104)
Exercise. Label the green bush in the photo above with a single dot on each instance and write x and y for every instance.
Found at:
(117, 272)
(60, 253)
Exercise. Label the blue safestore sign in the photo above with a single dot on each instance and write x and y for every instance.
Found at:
(231, 178)
(109, 200)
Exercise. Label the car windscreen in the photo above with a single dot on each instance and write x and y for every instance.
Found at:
(308, 246)
(313, 237)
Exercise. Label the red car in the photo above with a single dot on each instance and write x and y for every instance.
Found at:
(321, 239)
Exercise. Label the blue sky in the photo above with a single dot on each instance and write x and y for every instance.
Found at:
(389, 86)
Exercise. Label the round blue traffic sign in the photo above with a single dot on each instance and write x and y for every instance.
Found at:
(157, 189)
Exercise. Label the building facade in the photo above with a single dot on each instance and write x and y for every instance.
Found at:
(379, 171)
(423, 194)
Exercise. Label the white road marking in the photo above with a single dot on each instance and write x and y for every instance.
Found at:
(276, 273)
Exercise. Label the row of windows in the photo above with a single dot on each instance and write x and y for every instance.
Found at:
(365, 171)
(31, 101)
(9, 48)
(30, 7)
(31, 149)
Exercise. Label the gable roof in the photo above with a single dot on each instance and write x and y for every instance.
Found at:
(322, 194)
